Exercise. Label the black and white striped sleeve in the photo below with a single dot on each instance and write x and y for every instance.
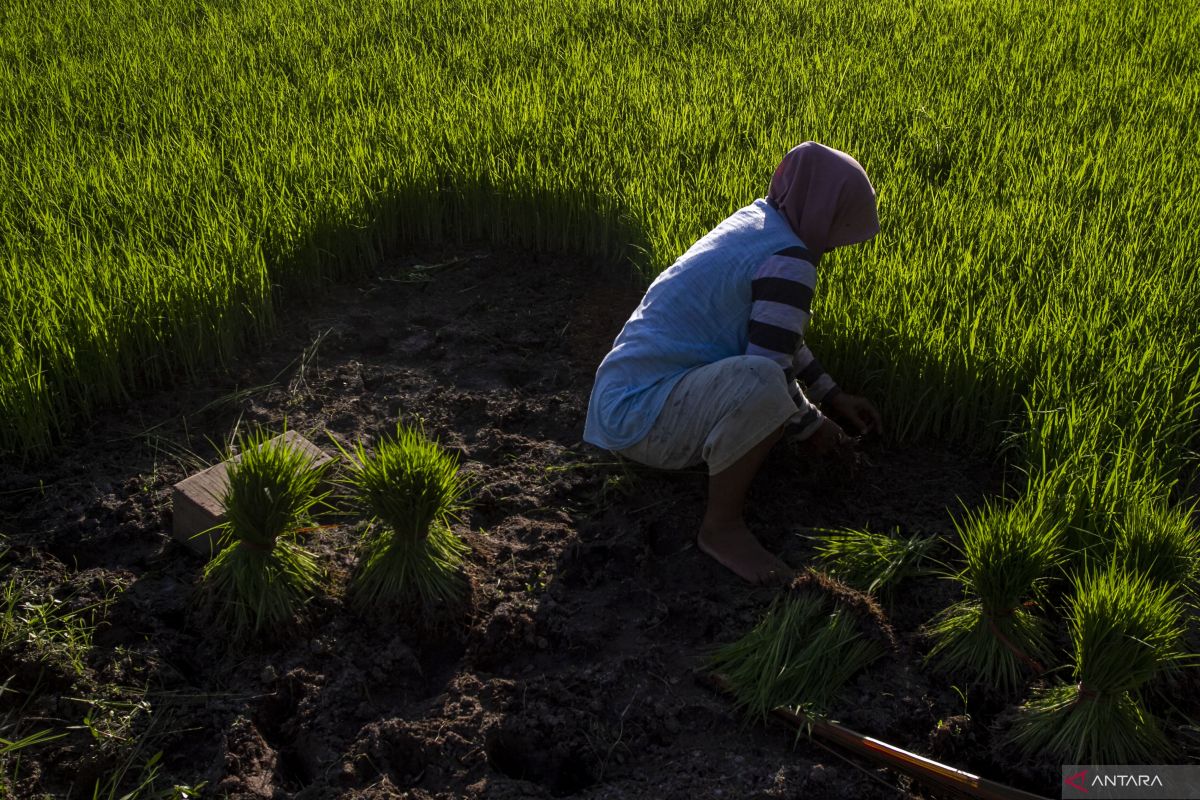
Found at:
(818, 384)
(781, 293)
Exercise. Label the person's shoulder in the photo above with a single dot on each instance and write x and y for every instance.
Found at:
(753, 216)
(740, 231)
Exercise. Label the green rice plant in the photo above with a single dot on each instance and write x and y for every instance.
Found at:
(874, 562)
(1093, 506)
(814, 638)
(262, 575)
(1159, 542)
(1125, 628)
(994, 635)
(412, 489)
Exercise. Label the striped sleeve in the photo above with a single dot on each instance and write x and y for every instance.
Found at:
(781, 293)
(809, 372)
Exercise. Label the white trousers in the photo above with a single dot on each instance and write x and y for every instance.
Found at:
(716, 414)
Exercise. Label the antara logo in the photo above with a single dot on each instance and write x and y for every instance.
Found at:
(1077, 780)
(1123, 780)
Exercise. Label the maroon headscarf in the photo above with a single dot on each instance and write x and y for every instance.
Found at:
(825, 196)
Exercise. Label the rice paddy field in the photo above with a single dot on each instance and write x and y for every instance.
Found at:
(339, 214)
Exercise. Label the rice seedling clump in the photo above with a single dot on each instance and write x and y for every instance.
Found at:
(873, 562)
(813, 639)
(993, 634)
(262, 576)
(1124, 630)
(1159, 542)
(412, 489)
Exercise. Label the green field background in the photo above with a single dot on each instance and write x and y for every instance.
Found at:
(170, 168)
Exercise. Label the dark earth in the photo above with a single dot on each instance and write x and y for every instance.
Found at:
(572, 673)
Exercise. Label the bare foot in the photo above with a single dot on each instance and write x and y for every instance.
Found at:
(734, 547)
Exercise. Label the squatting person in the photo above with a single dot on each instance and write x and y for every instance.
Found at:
(709, 367)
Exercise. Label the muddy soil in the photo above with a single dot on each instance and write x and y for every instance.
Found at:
(573, 671)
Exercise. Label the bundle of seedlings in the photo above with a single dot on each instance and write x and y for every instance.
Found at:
(874, 562)
(1159, 542)
(816, 635)
(1125, 629)
(993, 634)
(1106, 514)
(412, 490)
(262, 576)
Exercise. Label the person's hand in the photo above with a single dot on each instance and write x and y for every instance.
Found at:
(827, 439)
(858, 411)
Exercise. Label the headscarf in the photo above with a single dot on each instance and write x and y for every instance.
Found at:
(825, 196)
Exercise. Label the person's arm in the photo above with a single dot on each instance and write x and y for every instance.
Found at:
(819, 384)
(820, 388)
(781, 291)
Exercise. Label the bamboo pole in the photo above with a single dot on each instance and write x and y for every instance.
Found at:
(956, 782)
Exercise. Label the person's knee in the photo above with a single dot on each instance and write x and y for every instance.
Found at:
(765, 372)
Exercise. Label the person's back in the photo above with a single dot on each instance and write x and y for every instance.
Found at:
(694, 313)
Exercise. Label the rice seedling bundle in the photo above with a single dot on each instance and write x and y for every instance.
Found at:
(994, 634)
(873, 562)
(1159, 542)
(262, 575)
(412, 489)
(1125, 628)
(816, 636)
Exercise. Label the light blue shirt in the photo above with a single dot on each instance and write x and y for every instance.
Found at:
(696, 312)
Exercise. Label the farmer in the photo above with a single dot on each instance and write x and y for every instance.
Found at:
(706, 368)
